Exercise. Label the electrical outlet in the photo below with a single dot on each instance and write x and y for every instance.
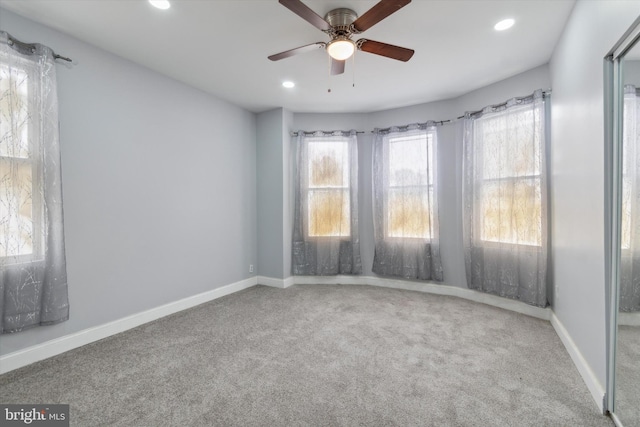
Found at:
(250, 268)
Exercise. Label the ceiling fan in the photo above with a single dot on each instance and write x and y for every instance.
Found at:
(340, 24)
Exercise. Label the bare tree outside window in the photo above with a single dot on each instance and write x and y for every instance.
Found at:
(19, 222)
(329, 213)
(410, 186)
(510, 207)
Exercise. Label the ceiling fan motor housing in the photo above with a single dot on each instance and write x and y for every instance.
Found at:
(340, 20)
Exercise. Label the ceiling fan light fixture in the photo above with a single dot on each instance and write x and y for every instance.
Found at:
(341, 48)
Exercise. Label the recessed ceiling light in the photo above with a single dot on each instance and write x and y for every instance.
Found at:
(288, 84)
(505, 24)
(161, 4)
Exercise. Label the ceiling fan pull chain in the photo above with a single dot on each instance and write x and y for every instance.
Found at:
(353, 66)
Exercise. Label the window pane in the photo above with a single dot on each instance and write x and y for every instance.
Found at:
(16, 213)
(408, 213)
(328, 164)
(511, 212)
(410, 162)
(329, 213)
(626, 213)
(14, 113)
(510, 144)
(629, 133)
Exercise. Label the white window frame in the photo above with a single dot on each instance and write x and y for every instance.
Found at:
(37, 203)
(430, 137)
(310, 189)
(628, 160)
(479, 207)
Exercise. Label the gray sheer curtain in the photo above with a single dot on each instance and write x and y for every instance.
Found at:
(325, 234)
(505, 200)
(33, 280)
(630, 261)
(405, 211)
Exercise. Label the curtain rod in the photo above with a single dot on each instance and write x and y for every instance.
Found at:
(32, 46)
(323, 131)
(545, 94)
(434, 123)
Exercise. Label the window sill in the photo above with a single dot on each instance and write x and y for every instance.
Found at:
(8, 261)
(490, 244)
(327, 238)
(416, 240)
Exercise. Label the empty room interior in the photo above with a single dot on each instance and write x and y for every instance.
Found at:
(305, 212)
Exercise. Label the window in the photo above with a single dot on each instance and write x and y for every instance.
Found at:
(20, 206)
(32, 256)
(625, 241)
(409, 201)
(509, 166)
(404, 202)
(325, 224)
(504, 199)
(328, 195)
(630, 204)
(629, 159)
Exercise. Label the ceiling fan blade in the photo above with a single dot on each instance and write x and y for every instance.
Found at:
(337, 67)
(377, 13)
(303, 11)
(384, 49)
(296, 51)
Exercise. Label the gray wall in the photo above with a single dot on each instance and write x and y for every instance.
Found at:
(270, 173)
(288, 160)
(632, 70)
(275, 193)
(449, 158)
(577, 169)
(159, 183)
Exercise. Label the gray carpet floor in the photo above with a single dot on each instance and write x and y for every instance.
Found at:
(627, 395)
(319, 355)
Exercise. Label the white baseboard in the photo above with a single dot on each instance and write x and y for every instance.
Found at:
(629, 319)
(57, 346)
(432, 288)
(588, 376)
(275, 283)
(615, 419)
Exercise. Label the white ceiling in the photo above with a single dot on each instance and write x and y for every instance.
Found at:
(221, 47)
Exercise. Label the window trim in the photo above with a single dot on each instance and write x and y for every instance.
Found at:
(307, 190)
(37, 172)
(478, 207)
(430, 137)
(626, 240)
